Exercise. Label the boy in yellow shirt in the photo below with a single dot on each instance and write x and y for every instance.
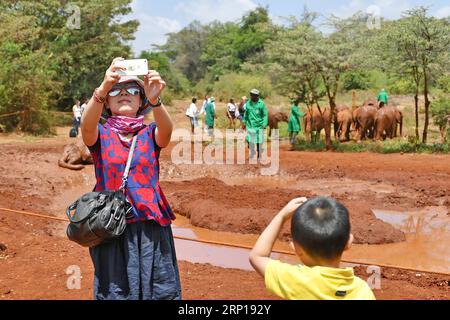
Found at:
(320, 229)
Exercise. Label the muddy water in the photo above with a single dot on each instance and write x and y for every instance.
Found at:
(427, 246)
(219, 255)
(427, 243)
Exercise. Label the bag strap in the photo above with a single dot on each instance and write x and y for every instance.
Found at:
(127, 168)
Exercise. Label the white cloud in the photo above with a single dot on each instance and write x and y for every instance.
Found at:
(153, 30)
(387, 8)
(209, 10)
(443, 12)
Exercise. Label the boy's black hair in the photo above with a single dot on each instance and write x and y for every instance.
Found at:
(321, 226)
(194, 100)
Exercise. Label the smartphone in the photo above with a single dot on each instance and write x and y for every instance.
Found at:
(135, 67)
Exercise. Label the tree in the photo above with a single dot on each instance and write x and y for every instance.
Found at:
(420, 44)
(292, 63)
(184, 49)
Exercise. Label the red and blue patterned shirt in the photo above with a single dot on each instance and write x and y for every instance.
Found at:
(143, 190)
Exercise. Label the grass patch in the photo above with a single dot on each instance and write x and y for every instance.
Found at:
(384, 147)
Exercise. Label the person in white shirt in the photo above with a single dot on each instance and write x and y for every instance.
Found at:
(76, 109)
(192, 113)
(231, 114)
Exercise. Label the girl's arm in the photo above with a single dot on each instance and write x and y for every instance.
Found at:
(154, 85)
(93, 110)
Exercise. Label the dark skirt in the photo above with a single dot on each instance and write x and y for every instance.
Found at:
(140, 265)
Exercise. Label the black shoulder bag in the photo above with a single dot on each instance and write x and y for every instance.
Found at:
(100, 216)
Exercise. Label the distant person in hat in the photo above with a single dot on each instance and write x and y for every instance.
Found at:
(141, 264)
(383, 98)
(294, 126)
(256, 120)
(210, 111)
(203, 110)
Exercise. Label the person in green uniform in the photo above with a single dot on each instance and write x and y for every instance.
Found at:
(383, 98)
(210, 112)
(256, 120)
(294, 122)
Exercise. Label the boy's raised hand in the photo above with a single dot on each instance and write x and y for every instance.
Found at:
(287, 212)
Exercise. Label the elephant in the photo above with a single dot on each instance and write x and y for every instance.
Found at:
(399, 120)
(74, 156)
(318, 121)
(385, 123)
(371, 103)
(364, 121)
(343, 122)
(276, 117)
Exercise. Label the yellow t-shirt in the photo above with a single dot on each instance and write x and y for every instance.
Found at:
(295, 282)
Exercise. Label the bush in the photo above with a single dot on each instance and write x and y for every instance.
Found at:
(440, 111)
(401, 86)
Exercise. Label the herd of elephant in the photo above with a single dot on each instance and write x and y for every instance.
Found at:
(366, 122)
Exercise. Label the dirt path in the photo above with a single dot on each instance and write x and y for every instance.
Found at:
(33, 265)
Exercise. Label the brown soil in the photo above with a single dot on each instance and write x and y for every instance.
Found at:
(35, 254)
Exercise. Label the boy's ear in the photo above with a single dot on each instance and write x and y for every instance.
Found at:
(349, 242)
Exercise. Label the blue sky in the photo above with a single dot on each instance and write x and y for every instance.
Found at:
(160, 17)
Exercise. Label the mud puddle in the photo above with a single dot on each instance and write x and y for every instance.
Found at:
(427, 244)
(219, 255)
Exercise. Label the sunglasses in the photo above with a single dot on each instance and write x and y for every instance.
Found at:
(134, 91)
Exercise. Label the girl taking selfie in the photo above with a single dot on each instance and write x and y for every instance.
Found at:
(141, 264)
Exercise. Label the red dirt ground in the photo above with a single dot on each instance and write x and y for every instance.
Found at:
(33, 264)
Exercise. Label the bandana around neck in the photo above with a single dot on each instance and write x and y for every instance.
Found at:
(125, 125)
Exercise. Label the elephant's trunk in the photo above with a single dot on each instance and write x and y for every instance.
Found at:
(401, 126)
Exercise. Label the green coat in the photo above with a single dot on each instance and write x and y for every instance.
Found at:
(256, 119)
(383, 96)
(210, 115)
(294, 121)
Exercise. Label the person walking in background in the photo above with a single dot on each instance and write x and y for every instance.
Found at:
(256, 119)
(203, 110)
(192, 114)
(383, 98)
(76, 110)
(210, 116)
(231, 114)
(294, 122)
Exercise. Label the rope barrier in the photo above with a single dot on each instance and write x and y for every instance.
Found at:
(218, 243)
